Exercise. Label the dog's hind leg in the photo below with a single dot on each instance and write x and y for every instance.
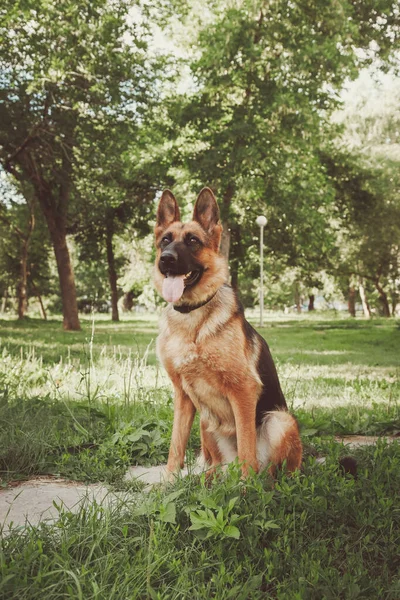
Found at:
(209, 448)
(279, 441)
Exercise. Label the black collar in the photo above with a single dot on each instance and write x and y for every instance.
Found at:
(187, 308)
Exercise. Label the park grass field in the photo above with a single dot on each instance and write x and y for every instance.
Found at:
(86, 405)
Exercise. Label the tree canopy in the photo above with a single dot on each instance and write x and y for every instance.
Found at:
(96, 118)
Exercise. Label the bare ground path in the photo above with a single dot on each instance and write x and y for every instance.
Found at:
(37, 499)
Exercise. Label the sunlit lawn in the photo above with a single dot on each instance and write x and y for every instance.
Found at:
(102, 387)
(320, 361)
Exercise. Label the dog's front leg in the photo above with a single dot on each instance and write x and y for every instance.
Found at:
(184, 411)
(243, 404)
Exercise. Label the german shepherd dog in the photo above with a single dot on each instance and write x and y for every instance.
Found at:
(218, 364)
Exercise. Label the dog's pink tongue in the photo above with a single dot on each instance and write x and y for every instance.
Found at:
(173, 287)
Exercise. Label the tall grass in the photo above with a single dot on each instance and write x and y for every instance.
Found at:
(316, 535)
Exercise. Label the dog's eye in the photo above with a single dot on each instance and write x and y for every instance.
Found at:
(166, 240)
(192, 239)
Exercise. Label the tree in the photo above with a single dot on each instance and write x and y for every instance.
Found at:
(368, 211)
(118, 182)
(23, 248)
(365, 165)
(65, 66)
(267, 77)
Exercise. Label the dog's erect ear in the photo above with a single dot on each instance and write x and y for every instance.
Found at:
(206, 211)
(168, 210)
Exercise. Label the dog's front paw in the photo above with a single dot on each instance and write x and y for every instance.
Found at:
(170, 476)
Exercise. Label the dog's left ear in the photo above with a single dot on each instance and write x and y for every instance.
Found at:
(206, 211)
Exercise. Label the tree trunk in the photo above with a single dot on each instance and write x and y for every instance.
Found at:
(311, 300)
(22, 284)
(364, 300)
(234, 269)
(351, 302)
(383, 298)
(54, 202)
(42, 308)
(4, 301)
(297, 298)
(394, 300)
(39, 297)
(236, 255)
(65, 275)
(225, 240)
(112, 274)
(127, 302)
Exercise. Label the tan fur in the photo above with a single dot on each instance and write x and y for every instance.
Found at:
(213, 368)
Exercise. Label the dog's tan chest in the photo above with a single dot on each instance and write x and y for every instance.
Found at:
(198, 366)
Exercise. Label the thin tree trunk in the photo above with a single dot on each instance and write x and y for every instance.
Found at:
(4, 301)
(234, 269)
(22, 284)
(236, 255)
(394, 298)
(42, 308)
(364, 300)
(43, 313)
(311, 300)
(22, 287)
(297, 298)
(351, 302)
(383, 298)
(112, 274)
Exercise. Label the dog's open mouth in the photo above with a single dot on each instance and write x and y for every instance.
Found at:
(175, 285)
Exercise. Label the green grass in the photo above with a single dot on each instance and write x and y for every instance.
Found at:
(86, 405)
(315, 536)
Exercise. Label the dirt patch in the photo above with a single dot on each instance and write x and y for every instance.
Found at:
(357, 441)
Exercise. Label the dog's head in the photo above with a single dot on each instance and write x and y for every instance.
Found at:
(188, 267)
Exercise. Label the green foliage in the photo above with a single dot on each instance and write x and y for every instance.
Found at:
(267, 77)
(144, 444)
(216, 521)
(86, 83)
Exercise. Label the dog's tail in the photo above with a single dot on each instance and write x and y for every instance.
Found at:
(279, 441)
(347, 464)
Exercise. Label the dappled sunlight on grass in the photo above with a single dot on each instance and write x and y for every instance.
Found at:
(330, 363)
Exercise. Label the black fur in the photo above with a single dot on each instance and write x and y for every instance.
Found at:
(177, 259)
(271, 397)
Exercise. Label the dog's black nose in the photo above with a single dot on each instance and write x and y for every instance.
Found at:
(168, 258)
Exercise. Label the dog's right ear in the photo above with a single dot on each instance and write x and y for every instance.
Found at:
(168, 211)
